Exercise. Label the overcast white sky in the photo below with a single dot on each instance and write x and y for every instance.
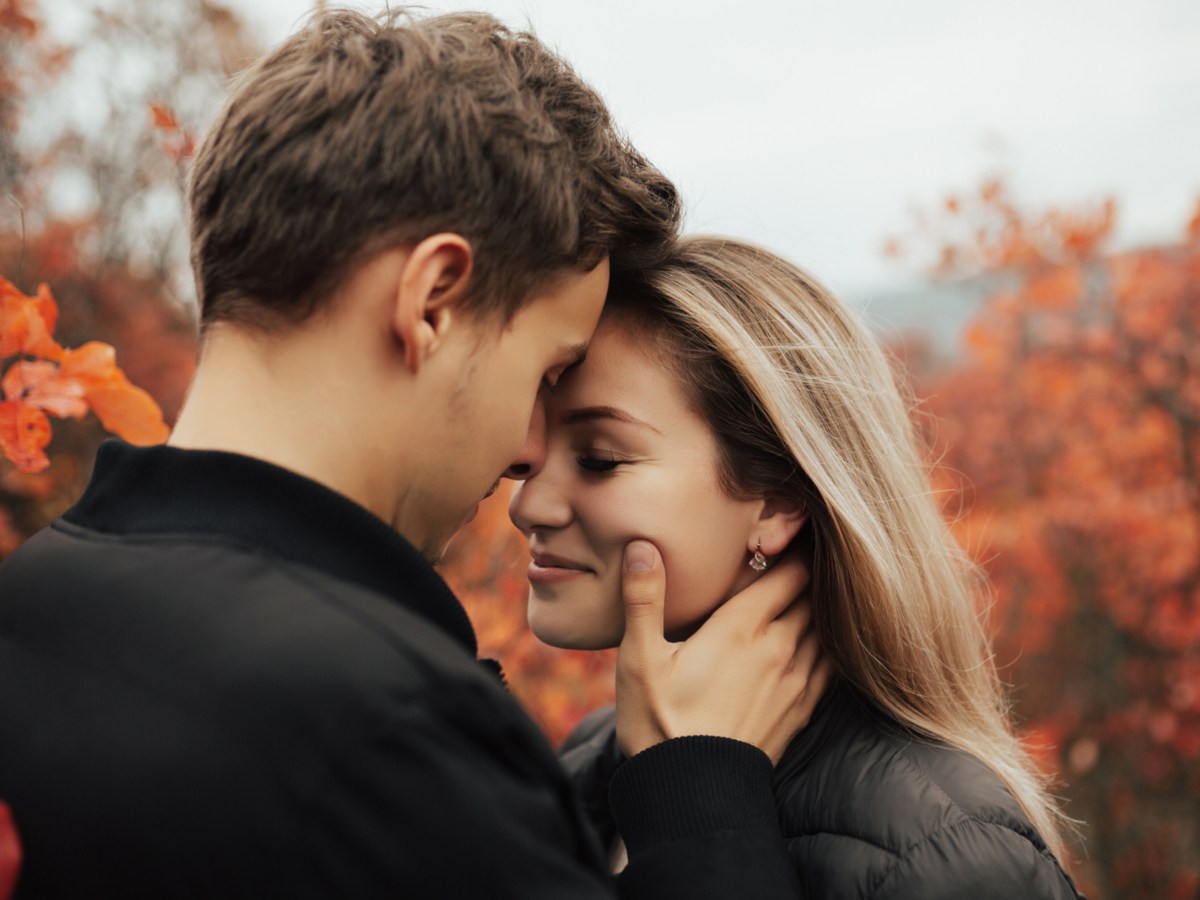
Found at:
(814, 127)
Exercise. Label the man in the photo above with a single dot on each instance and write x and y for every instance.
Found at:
(230, 669)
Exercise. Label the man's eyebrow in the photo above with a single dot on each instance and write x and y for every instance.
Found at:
(592, 413)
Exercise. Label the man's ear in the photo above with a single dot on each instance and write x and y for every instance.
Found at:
(780, 520)
(432, 280)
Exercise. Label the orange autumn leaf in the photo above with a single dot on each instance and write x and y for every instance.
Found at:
(180, 144)
(122, 407)
(46, 306)
(128, 411)
(42, 385)
(93, 363)
(164, 119)
(24, 434)
(27, 323)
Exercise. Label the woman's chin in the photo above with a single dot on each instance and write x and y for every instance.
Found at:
(569, 636)
(573, 623)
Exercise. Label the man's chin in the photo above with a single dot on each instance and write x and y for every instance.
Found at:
(435, 549)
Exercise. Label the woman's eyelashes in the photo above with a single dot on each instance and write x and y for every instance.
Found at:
(599, 462)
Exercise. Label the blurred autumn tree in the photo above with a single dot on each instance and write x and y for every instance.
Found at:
(91, 171)
(1069, 440)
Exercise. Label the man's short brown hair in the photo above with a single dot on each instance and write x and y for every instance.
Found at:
(360, 133)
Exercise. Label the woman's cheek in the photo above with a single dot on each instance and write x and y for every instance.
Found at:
(617, 513)
(705, 559)
(690, 600)
(657, 510)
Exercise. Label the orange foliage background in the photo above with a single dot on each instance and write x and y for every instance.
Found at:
(1066, 432)
(1069, 447)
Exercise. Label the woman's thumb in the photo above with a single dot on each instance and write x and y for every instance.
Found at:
(643, 589)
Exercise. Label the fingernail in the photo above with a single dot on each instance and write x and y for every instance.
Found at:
(639, 557)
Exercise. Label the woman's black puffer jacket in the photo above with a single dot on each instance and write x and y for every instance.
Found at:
(869, 810)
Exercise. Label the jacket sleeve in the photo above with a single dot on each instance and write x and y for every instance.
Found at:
(590, 756)
(696, 812)
(980, 860)
(698, 818)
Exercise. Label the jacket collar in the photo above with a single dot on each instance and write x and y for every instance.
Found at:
(158, 490)
(840, 704)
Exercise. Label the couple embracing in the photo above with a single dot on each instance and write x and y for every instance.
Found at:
(427, 261)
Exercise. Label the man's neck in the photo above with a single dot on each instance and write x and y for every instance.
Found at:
(290, 404)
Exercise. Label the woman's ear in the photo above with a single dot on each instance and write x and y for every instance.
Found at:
(780, 520)
(434, 276)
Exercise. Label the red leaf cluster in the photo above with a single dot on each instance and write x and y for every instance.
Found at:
(41, 379)
(10, 853)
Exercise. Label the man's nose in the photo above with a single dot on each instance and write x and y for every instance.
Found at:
(533, 453)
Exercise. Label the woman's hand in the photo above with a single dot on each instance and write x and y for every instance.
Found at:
(753, 672)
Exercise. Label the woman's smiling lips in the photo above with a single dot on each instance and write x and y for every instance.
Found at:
(546, 568)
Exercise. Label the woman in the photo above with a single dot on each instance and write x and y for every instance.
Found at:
(730, 410)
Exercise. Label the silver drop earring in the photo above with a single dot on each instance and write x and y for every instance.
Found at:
(758, 562)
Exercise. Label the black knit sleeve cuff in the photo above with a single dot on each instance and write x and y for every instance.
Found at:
(691, 786)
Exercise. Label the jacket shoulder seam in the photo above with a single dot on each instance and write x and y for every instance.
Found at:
(897, 855)
(306, 579)
(1007, 821)
(966, 822)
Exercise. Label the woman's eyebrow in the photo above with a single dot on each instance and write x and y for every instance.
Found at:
(591, 413)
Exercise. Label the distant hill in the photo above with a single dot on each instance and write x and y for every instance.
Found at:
(932, 313)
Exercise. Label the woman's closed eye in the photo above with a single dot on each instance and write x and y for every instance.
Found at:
(599, 463)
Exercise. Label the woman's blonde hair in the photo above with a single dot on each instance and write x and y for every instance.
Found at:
(805, 405)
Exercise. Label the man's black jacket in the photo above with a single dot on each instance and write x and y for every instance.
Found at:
(221, 679)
